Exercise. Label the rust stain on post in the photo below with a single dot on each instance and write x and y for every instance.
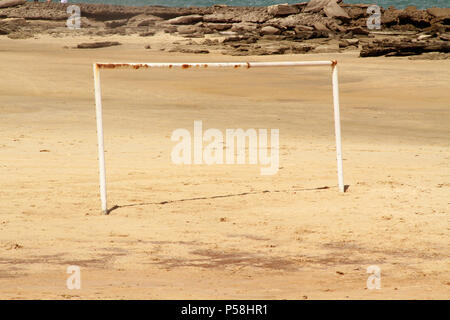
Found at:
(333, 63)
(248, 65)
(185, 66)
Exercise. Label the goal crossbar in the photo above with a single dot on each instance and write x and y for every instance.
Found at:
(235, 65)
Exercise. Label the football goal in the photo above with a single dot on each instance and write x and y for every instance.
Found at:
(247, 65)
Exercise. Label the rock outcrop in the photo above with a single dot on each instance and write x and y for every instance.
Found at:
(96, 45)
(321, 25)
(11, 3)
(403, 47)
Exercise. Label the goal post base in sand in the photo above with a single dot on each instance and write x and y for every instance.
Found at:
(235, 65)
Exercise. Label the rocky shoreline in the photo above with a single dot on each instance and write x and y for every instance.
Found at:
(314, 26)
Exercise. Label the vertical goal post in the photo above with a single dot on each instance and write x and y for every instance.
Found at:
(247, 65)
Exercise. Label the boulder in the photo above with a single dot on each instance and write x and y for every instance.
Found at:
(147, 22)
(304, 28)
(241, 39)
(302, 19)
(390, 17)
(440, 13)
(305, 35)
(116, 23)
(184, 49)
(319, 26)
(275, 49)
(276, 23)
(170, 29)
(333, 10)
(244, 27)
(356, 12)
(191, 19)
(11, 25)
(359, 31)
(282, 10)
(411, 15)
(102, 12)
(4, 31)
(11, 3)
(292, 21)
(218, 26)
(221, 18)
(205, 29)
(353, 42)
(302, 49)
(344, 43)
(255, 16)
(95, 45)
(300, 5)
(318, 5)
(269, 30)
(210, 42)
(423, 37)
(287, 22)
(195, 51)
(187, 29)
(333, 26)
(445, 36)
(402, 47)
(142, 19)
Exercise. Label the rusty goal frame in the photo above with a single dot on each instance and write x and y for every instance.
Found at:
(248, 65)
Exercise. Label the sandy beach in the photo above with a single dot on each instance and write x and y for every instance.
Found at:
(287, 236)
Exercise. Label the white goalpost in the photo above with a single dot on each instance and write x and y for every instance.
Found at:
(247, 65)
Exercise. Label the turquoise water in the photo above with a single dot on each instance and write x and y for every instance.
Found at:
(186, 3)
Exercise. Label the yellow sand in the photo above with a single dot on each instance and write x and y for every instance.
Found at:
(284, 239)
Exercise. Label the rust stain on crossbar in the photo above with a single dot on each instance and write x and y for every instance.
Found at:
(235, 65)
